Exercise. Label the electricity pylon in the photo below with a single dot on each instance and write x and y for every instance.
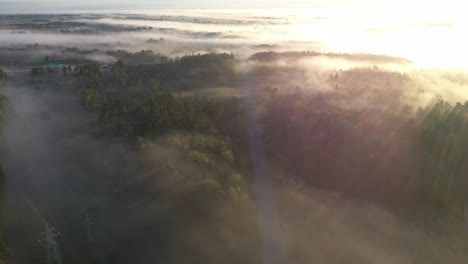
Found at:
(50, 244)
(87, 222)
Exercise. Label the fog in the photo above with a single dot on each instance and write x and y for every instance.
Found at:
(66, 169)
(361, 31)
(308, 78)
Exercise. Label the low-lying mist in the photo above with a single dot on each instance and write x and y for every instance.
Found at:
(218, 137)
(243, 31)
(147, 204)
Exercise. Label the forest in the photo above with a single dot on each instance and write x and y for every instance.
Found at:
(292, 133)
(310, 135)
(171, 175)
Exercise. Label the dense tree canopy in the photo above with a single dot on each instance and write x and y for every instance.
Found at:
(358, 136)
(342, 145)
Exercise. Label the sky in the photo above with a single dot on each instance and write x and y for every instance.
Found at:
(8, 6)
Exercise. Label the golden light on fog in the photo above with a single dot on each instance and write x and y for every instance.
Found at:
(431, 40)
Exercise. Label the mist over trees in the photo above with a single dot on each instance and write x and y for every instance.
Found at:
(300, 125)
(139, 155)
(384, 150)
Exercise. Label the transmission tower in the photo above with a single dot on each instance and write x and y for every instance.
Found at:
(87, 222)
(50, 244)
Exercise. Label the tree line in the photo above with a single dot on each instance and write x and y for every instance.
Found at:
(351, 150)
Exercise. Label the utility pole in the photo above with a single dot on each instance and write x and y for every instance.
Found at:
(50, 244)
(88, 224)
